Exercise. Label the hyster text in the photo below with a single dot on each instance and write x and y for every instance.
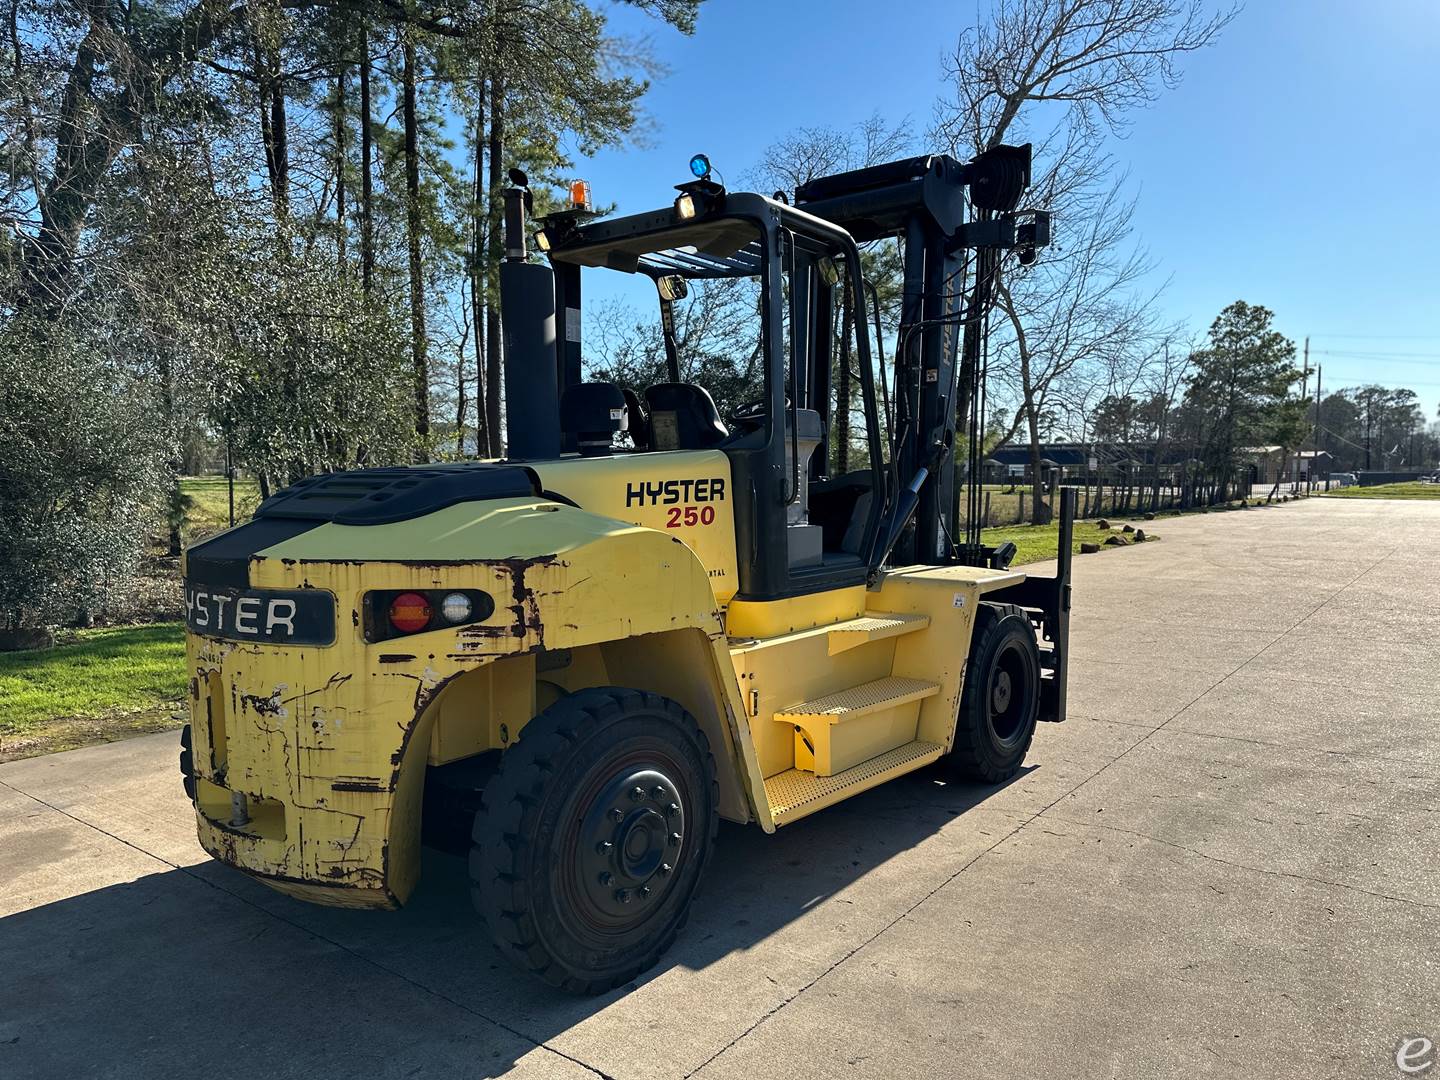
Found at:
(669, 492)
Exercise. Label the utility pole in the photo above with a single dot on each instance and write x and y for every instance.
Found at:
(1315, 431)
(1304, 393)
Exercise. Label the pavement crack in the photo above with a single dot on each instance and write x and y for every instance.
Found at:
(1228, 675)
(1243, 866)
(779, 1006)
(341, 946)
(831, 967)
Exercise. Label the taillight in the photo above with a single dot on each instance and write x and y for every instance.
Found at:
(410, 612)
(397, 613)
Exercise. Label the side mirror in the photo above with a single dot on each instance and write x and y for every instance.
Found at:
(672, 287)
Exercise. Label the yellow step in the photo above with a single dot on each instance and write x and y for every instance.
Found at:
(837, 731)
(873, 626)
(794, 793)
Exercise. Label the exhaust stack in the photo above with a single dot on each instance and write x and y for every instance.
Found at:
(527, 306)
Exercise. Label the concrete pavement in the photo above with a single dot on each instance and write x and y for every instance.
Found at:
(1225, 863)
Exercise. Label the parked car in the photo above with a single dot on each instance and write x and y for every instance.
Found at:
(1342, 479)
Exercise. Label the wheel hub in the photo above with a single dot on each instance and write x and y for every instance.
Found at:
(1001, 691)
(630, 841)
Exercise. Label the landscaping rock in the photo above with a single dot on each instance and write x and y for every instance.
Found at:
(1102, 524)
(1127, 528)
(1139, 536)
(1115, 541)
(1088, 548)
(27, 637)
(1149, 517)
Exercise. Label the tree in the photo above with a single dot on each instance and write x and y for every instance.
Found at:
(717, 332)
(413, 226)
(267, 262)
(1238, 389)
(82, 459)
(795, 160)
(1091, 62)
(1367, 427)
(550, 67)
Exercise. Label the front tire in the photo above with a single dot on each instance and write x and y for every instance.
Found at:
(592, 837)
(1000, 702)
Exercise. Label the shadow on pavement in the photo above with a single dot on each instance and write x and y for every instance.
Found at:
(201, 970)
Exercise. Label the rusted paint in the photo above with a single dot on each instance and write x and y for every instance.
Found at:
(358, 785)
(264, 706)
(281, 749)
(336, 680)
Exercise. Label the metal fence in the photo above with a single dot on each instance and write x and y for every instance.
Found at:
(1101, 496)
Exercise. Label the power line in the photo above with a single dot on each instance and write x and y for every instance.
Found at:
(1383, 337)
(1393, 357)
(1370, 380)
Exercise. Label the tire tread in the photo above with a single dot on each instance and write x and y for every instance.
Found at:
(510, 803)
(967, 756)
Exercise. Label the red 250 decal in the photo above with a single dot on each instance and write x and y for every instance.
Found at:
(677, 516)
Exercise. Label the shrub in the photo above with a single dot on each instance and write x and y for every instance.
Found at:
(82, 469)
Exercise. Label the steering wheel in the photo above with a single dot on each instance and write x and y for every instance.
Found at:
(751, 414)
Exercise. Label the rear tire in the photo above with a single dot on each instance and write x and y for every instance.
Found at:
(592, 837)
(187, 762)
(1000, 702)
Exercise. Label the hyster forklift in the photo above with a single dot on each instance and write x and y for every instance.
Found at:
(648, 616)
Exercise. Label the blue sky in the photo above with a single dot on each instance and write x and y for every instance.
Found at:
(1296, 165)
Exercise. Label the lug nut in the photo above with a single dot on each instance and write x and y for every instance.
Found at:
(636, 794)
(644, 890)
(665, 868)
(674, 838)
(657, 793)
(605, 877)
(672, 809)
(623, 895)
(617, 814)
(603, 847)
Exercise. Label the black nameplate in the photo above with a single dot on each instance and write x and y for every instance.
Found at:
(272, 616)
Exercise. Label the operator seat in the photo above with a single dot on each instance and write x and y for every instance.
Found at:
(683, 416)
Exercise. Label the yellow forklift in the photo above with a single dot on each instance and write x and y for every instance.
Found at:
(648, 616)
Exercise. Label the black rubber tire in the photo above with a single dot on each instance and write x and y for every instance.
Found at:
(991, 742)
(187, 762)
(531, 870)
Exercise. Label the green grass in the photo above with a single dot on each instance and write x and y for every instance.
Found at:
(114, 670)
(1386, 491)
(1036, 542)
(210, 503)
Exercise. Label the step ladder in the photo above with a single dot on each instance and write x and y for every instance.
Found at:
(840, 730)
(872, 626)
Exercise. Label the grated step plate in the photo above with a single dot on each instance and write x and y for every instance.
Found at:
(873, 626)
(794, 794)
(858, 700)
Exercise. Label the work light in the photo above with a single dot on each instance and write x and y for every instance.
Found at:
(685, 207)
